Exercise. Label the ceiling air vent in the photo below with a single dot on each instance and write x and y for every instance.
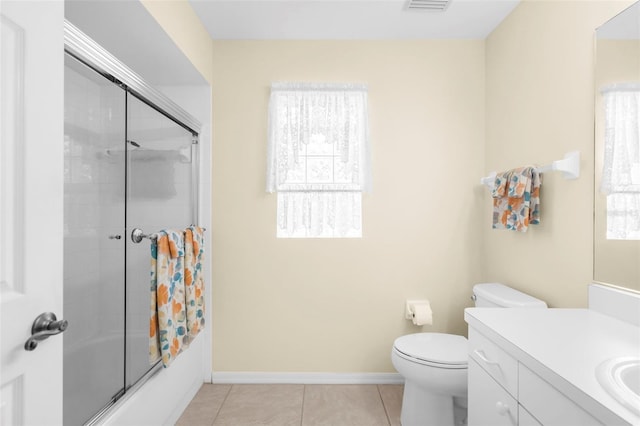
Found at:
(428, 5)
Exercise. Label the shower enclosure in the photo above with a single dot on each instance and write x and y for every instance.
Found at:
(130, 161)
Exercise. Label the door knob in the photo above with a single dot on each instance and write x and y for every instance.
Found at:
(502, 408)
(44, 326)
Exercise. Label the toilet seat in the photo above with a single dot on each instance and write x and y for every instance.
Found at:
(434, 349)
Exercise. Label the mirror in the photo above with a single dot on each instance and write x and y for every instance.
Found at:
(617, 151)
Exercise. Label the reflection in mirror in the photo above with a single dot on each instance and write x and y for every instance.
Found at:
(617, 151)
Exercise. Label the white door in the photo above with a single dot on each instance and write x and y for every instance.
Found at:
(31, 208)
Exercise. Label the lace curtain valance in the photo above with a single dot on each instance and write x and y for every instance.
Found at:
(318, 138)
(621, 171)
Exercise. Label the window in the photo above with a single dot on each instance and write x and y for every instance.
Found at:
(318, 159)
(621, 174)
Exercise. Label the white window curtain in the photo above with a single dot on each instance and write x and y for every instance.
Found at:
(621, 172)
(318, 158)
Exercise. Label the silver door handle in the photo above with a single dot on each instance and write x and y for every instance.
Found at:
(44, 326)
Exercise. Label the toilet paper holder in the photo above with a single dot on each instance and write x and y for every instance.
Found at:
(411, 306)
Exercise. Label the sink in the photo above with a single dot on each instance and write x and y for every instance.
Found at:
(620, 377)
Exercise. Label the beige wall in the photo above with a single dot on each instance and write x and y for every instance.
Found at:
(337, 305)
(185, 28)
(540, 104)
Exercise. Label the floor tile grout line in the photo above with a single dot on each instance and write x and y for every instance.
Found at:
(221, 405)
(304, 392)
(384, 407)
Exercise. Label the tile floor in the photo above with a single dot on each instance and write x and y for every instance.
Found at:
(299, 405)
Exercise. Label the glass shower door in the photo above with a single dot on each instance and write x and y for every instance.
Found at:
(160, 195)
(126, 166)
(94, 197)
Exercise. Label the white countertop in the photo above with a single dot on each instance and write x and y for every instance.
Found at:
(564, 347)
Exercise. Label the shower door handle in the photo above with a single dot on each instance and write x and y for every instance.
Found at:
(44, 326)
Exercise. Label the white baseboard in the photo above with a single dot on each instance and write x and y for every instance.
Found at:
(242, 377)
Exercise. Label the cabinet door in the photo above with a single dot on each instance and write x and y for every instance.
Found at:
(489, 403)
(548, 404)
(525, 418)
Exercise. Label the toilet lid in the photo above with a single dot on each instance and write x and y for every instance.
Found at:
(438, 348)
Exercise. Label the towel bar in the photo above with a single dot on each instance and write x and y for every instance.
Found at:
(569, 166)
(138, 234)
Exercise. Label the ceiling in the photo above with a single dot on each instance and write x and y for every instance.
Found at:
(347, 19)
(623, 26)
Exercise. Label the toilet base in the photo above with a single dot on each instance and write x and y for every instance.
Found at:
(423, 408)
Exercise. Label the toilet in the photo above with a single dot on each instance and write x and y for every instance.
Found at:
(434, 365)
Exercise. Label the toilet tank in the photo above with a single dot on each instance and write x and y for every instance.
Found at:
(495, 295)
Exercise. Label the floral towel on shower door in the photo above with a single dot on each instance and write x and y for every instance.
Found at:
(194, 280)
(168, 323)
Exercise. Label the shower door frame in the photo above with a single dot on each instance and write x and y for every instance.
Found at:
(81, 47)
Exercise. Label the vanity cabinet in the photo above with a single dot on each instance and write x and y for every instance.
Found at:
(538, 366)
(489, 403)
(503, 391)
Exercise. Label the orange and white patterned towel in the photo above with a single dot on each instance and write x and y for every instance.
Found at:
(516, 199)
(194, 279)
(168, 320)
